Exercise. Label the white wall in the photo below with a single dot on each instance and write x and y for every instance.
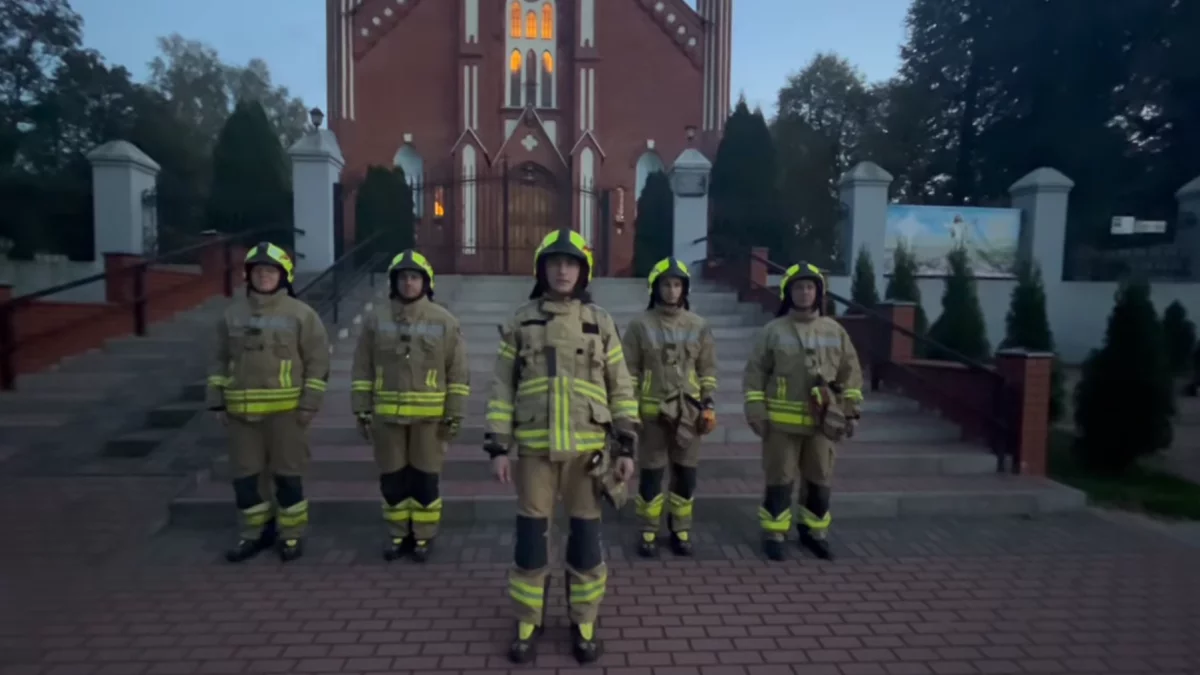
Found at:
(27, 276)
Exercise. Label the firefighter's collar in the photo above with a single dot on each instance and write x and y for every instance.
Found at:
(263, 300)
(564, 306)
(804, 315)
(401, 307)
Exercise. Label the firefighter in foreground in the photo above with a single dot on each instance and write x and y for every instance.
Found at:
(803, 390)
(560, 393)
(266, 382)
(409, 388)
(671, 357)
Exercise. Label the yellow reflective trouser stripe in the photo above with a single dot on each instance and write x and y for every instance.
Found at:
(398, 514)
(527, 594)
(257, 515)
(649, 509)
(294, 515)
(755, 396)
(780, 523)
(459, 389)
(793, 413)
(314, 383)
(507, 351)
(591, 591)
(680, 506)
(361, 385)
(812, 522)
(853, 395)
(285, 373)
(219, 381)
(499, 411)
(427, 513)
(261, 401)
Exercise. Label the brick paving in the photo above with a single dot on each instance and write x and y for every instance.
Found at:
(1072, 594)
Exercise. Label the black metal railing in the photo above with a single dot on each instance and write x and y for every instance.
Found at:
(325, 292)
(990, 410)
(136, 302)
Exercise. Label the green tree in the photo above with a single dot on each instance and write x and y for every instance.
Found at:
(653, 237)
(862, 284)
(250, 186)
(902, 285)
(1124, 401)
(961, 326)
(1027, 326)
(744, 190)
(385, 204)
(1180, 335)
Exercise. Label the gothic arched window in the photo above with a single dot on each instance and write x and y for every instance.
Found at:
(531, 25)
(514, 79)
(531, 78)
(547, 21)
(547, 80)
(515, 30)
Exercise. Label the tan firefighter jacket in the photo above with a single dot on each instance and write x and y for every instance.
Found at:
(272, 356)
(791, 356)
(671, 355)
(560, 382)
(410, 364)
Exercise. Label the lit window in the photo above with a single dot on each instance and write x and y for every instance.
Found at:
(547, 21)
(516, 20)
(531, 25)
(547, 80)
(547, 62)
(439, 204)
(514, 79)
(514, 63)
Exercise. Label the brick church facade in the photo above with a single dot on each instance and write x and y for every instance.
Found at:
(513, 117)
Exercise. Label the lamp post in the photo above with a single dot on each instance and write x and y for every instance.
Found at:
(316, 117)
(690, 132)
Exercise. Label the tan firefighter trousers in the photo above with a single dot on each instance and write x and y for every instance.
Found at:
(268, 458)
(410, 458)
(786, 459)
(659, 449)
(540, 483)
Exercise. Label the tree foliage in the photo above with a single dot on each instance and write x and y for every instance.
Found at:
(862, 283)
(1180, 335)
(250, 186)
(961, 326)
(744, 190)
(384, 203)
(1027, 326)
(1124, 402)
(903, 286)
(654, 234)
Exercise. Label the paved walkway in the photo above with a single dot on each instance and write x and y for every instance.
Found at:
(1077, 594)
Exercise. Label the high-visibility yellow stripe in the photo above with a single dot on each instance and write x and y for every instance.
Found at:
(315, 384)
(649, 509)
(591, 591)
(459, 389)
(527, 594)
(361, 385)
(812, 522)
(781, 523)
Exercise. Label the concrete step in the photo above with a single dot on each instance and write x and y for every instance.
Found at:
(855, 460)
(194, 391)
(57, 381)
(345, 503)
(896, 428)
(20, 401)
(173, 415)
(99, 362)
(161, 346)
(137, 443)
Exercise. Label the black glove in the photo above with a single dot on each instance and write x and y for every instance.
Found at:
(494, 445)
(627, 441)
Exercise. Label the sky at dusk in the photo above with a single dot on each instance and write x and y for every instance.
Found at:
(771, 38)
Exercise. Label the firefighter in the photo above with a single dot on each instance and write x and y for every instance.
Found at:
(266, 382)
(803, 391)
(560, 393)
(409, 388)
(672, 361)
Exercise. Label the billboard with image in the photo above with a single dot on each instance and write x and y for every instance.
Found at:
(930, 232)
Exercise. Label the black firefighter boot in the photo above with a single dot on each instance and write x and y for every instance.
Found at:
(422, 549)
(396, 548)
(291, 550)
(681, 543)
(523, 648)
(648, 545)
(773, 548)
(585, 646)
(246, 549)
(818, 546)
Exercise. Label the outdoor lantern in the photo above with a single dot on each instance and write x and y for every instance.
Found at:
(691, 132)
(316, 117)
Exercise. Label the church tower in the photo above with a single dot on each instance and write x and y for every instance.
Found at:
(718, 46)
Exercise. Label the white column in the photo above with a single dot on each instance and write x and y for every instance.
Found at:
(125, 218)
(1187, 233)
(1042, 196)
(689, 182)
(316, 166)
(863, 191)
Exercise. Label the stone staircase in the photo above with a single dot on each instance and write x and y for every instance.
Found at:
(902, 462)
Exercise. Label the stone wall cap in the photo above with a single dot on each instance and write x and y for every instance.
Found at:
(692, 158)
(1021, 352)
(866, 172)
(122, 152)
(1044, 178)
(321, 144)
(1189, 189)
